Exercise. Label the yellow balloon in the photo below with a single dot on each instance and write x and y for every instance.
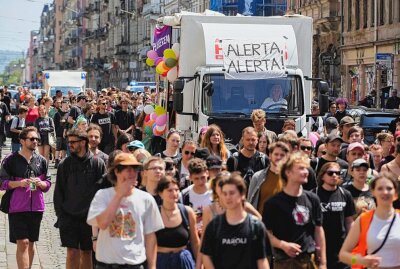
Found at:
(159, 69)
(149, 62)
(169, 53)
(159, 110)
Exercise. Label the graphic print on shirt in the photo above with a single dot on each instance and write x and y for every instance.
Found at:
(123, 226)
(104, 121)
(301, 215)
(333, 206)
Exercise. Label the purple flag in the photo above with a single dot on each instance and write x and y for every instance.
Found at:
(162, 39)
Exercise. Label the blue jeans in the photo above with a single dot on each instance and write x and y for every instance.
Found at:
(180, 260)
(15, 147)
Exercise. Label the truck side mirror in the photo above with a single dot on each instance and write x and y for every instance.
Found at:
(323, 97)
(178, 95)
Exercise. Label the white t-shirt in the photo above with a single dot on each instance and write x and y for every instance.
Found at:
(123, 241)
(198, 202)
(14, 123)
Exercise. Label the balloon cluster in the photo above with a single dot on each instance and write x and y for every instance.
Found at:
(166, 66)
(155, 121)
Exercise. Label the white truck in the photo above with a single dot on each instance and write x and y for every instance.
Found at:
(64, 80)
(229, 66)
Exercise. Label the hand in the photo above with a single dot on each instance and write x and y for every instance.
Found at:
(94, 244)
(39, 183)
(371, 261)
(124, 187)
(24, 183)
(291, 249)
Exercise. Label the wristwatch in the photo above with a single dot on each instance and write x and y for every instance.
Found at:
(94, 238)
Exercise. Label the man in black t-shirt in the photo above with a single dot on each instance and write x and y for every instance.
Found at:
(333, 145)
(293, 219)
(248, 160)
(337, 209)
(234, 239)
(124, 119)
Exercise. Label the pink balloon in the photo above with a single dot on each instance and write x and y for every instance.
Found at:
(152, 54)
(161, 120)
(153, 116)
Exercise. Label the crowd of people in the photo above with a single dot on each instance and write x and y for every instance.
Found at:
(278, 201)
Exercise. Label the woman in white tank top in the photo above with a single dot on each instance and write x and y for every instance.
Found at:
(385, 190)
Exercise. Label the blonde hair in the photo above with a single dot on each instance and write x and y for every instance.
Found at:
(258, 114)
(295, 158)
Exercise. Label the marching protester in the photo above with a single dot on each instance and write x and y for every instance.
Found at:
(17, 125)
(78, 179)
(293, 219)
(45, 126)
(234, 239)
(373, 240)
(127, 218)
(24, 174)
(179, 232)
(337, 210)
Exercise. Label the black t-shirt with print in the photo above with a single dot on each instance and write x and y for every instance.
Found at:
(105, 121)
(356, 193)
(336, 206)
(234, 246)
(293, 219)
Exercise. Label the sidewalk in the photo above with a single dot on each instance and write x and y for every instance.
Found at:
(48, 251)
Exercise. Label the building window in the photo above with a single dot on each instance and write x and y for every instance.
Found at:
(365, 13)
(349, 15)
(357, 19)
(372, 9)
(391, 10)
(381, 12)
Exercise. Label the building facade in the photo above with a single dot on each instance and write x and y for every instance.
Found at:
(371, 47)
(326, 16)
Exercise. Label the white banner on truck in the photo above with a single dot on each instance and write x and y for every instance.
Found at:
(254, 59)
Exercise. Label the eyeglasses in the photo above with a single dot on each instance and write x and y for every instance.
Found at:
(73, 142)
(331, 173)
(186, 152)
(156, 168)
(32, 139)
(306, 148)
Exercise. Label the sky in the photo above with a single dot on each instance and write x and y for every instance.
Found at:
(17, 19)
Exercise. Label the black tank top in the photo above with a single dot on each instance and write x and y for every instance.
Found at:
(173, 237)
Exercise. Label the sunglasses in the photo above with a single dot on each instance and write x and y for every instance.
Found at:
(306, 148)
(186, 152)
(32, 139)
(73, 142)
(331, 173)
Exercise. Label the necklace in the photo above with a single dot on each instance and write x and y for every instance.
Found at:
(173, 212)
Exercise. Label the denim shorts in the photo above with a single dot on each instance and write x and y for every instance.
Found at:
(180, 260)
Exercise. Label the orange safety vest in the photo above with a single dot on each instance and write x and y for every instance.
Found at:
(362, 247)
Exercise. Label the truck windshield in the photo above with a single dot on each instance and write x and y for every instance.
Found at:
(241, 97)
(64, 90)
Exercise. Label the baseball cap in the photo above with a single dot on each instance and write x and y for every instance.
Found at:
(214, 161)
(360, 163)
(126, 159)
(355, 145)
(202, 153)
(333, 137)
(331, 123)
(135, 144)
(347, 120)
(43, 91)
